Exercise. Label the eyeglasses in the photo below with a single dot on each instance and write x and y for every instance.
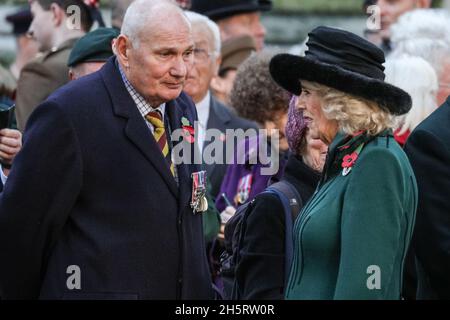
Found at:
(201, 55)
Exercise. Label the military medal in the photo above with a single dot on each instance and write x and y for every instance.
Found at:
(199, 203)
(244, 187)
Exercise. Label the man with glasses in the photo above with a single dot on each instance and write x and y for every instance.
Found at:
(211, 113)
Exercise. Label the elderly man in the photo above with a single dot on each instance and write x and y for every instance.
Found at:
(390, 11)
(211, 113)
(110, 216)
(236, 18)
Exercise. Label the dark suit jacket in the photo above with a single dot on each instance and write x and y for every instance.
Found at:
(90, 188)
(222, 118)
(428, 149)
(260, 273)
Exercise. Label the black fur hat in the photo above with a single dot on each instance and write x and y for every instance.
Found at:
(344, 61)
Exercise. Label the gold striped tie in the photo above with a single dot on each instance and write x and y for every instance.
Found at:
(159, 132)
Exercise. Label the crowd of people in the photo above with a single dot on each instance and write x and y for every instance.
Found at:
(136, 160)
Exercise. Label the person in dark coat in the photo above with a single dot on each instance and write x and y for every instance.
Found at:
(94, 206)
(212, 114)
(259, 99)
(260, 273)
(428, 149)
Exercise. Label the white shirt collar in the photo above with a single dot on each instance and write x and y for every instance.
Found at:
(143, 106)
(203, 110)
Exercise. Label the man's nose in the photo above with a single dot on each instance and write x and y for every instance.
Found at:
(180, 68)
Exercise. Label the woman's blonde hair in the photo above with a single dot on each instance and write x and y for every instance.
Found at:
(353, 114)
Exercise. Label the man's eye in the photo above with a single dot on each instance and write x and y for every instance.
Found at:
(164, 54)
(188, 53)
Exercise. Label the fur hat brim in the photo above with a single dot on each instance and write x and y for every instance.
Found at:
(287, 70)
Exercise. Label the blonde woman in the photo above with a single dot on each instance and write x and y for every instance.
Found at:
(351, 238)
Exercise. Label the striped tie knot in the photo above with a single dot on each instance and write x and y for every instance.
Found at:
(159, 132)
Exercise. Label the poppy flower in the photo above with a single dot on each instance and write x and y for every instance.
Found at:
(349, 160)
(189, 133)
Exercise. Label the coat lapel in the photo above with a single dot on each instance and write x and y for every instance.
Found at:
(175, 112)
(135, 128)
(217, 120)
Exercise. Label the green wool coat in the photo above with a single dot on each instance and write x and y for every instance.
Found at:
(351, 238)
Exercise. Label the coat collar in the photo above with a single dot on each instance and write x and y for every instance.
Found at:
(298, 171)
(342, 145)
(135, 128)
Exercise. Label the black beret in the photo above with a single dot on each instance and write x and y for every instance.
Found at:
(93, 46)
(20, 21)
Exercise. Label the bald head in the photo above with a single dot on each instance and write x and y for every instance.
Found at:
(145, 17)
(155, 49)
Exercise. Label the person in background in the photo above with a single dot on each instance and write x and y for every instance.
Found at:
(118, 9)
(55, 34)
(390, 11)
(371, 32)
(351, 238)
(418, 78)
(27, 47)
(234, 52)
(261, 100)
(260, 273)
(426, 34)
(428, 149)
(211, 113)
(91, 52)
(236, 18)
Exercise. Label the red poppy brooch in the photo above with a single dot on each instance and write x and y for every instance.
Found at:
(349, 160)
(188, 130)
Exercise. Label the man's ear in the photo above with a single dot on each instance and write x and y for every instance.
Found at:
(71, 74)
(121, 47)
(58, 14)
(218, 62)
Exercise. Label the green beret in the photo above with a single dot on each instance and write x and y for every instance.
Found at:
(93, 46)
